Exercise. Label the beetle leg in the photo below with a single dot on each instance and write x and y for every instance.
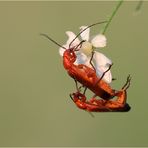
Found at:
(79, 88)
(113, 79)
(71, 97)
(76, 82)
(93, 100)
(105, 72)
(127, 84)
(91, 61)
(84, 90)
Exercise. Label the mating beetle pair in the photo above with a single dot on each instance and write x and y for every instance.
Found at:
(85, 71)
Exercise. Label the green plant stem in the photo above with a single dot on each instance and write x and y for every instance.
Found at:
(111, 17)
(139, 5)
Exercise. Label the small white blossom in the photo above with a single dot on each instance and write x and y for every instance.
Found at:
(100, 61)
(99, 41)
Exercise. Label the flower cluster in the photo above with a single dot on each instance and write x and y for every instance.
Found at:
(100, 61)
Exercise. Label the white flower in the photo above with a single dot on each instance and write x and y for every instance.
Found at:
(99, 41)
(100, 61)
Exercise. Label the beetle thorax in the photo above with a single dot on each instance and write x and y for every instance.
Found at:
(70, 55)
(69, 58)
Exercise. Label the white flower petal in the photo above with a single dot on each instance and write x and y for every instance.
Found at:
(99, 41)
(102, 63)
(61, 51)
(81, 58)
(101, 60)
(71, 36)
(107, 77)
(85, 35)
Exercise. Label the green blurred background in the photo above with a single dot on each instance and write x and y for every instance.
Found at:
(35, 108)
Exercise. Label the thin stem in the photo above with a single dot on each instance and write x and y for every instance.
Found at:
(139, 5)
(111, 17)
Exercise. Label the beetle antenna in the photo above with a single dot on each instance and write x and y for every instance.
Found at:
(85, 29)
(127, 84)
(49, 38)
(71, 97)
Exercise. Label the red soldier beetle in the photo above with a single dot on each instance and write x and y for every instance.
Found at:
(84, 74)
(101, 105)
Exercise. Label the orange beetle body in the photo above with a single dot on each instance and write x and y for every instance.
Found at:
(101, 105)
(86, 76)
